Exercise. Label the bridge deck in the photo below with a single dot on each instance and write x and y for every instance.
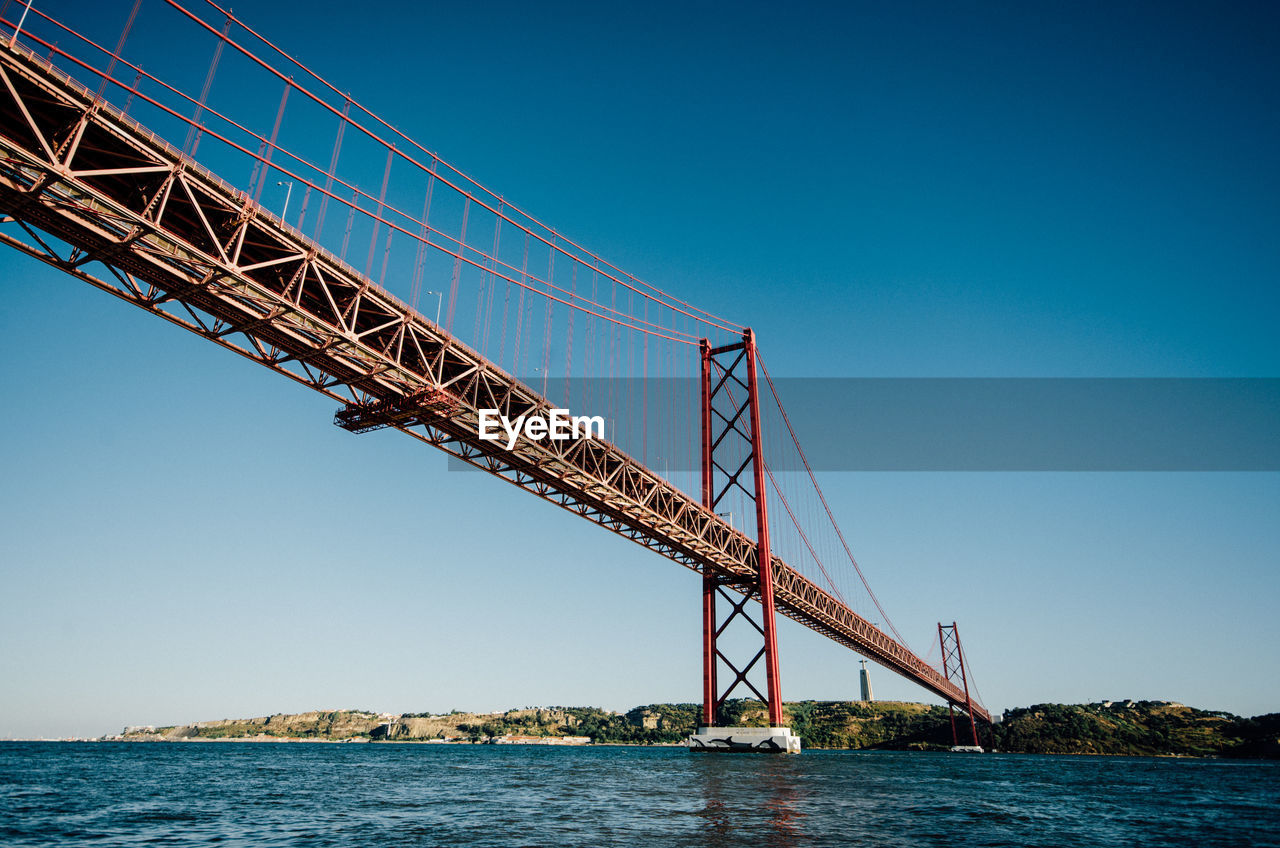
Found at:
(182, 244)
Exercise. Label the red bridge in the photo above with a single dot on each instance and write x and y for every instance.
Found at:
(108, 172)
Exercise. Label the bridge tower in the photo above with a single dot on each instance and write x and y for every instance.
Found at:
(733, 459)
(953, 664)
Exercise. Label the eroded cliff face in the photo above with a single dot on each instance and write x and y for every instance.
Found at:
(456, 726)
(342, 725)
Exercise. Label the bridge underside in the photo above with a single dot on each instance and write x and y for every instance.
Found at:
(83, 187)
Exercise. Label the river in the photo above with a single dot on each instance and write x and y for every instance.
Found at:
(427, 795)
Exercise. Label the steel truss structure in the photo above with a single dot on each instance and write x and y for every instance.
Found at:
(83, 188)
(729, 423)
(952, 665)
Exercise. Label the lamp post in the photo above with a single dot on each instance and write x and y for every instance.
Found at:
(439, 301)
(288, 193)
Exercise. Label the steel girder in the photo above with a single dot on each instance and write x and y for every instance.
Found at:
(184, 245)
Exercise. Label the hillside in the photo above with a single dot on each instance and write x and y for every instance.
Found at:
(1143, 728)
(1137, 728)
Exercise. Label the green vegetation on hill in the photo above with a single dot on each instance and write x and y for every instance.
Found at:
(1141, 728)
(880, 724)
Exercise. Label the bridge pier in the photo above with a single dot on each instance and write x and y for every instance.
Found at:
(748, 740)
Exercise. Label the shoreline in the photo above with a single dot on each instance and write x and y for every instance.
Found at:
(268, 740)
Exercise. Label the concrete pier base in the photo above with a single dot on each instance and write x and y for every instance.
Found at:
(747, 740)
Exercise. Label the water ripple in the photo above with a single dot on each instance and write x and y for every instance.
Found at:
(194, 794)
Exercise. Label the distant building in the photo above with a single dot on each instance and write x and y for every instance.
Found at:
(866, 683)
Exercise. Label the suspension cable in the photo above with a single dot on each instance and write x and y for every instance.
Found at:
(773, 390)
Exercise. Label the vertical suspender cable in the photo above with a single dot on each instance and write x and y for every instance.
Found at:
(424, 239)
(124, 36)
(377, 218)
(568, 351)
(351, 219)
(644, 391)
(386, 257)
(262, 164)
(128, 101)
(546, 321)
(457, 265)
(524, 280)
(302, 213)
(490, 284)
(194, 131)
(502, 336)
(333, 167)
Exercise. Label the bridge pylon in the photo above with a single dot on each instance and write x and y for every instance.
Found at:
(733, 459)
(953, 664)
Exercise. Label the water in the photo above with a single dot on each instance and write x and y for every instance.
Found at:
(426, 795)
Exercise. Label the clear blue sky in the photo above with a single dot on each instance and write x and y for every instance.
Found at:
(954, 190)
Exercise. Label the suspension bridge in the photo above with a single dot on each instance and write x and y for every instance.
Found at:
(143, 175)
